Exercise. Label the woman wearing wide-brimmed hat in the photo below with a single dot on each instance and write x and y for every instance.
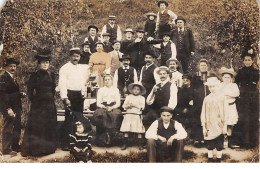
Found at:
(39, 136)
(231, 92)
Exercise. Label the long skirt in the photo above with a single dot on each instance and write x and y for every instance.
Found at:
(39, 137)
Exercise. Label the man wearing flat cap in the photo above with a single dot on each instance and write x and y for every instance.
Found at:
(73, 78)
(11, 107)
(183, 38)
(129, 33)
(165, 17)
(92, 37)
(163, 94)
(165, 138)
(139, 47)
(113, 29)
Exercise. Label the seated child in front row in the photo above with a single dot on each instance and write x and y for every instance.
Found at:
(80, 143)
(134, 104)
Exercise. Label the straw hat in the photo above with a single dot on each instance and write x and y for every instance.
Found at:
(225, 70)
(161, 68)
(131, 86)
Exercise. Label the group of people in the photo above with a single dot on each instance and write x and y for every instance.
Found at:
(144, 89)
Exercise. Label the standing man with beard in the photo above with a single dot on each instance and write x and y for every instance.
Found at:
(73, 78)
(11, 107)
(163, 94)
(183, 38)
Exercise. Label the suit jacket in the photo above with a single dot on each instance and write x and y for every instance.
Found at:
(137, 51)
(115, 63)
(10, 94)
(189, 44)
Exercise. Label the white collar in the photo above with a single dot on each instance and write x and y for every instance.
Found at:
(148, 66)
(166, 125)
(182, 29)
(12, 76)
(164, 82)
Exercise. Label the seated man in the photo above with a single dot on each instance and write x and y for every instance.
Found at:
(165, 138)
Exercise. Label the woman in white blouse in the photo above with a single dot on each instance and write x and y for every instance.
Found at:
(107, 117)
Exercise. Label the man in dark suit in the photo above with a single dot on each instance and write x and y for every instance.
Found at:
(92, 38)
(183, 38)
(139, 47)
(11, 107)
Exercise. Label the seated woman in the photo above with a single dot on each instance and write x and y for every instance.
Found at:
(107, 117)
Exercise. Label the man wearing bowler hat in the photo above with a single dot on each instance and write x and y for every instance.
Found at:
(113, 29)
(183, 38)
(106, 41)
(139, 47)
(92, 37)
(165, 17)
(11, 107)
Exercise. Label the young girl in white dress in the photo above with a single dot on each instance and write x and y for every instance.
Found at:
(132, 122)
(230, 90)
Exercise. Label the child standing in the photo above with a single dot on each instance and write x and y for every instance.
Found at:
(230, 91)
(213, 119)
(80, 143)
(134, 104)
(150, 25)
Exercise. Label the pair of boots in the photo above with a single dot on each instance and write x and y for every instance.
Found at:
(126, 143)
(211, 160)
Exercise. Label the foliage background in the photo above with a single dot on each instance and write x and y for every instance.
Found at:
(222, 28)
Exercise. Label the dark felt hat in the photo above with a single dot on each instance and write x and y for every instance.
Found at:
(86, 43)
(129, 30)
(167, 34)
(125, 56)
(115, 41)
(150, 53)
(162, 2)
(99, 42)
(245, 53)
(75, 50)
(43, 55)
(186, 76)
(92, 26)
(180, 18)
(139, 29)
(131, 86)
(9, 61)
(166, 109)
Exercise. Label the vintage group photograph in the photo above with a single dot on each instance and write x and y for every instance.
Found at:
(129, 81)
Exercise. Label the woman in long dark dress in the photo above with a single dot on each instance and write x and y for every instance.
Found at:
(39, 136)
(248, 103)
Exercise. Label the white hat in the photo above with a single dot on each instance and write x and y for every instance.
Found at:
(225, 70)
(212, 81)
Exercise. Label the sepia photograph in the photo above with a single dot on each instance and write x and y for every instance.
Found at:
(129, 81)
